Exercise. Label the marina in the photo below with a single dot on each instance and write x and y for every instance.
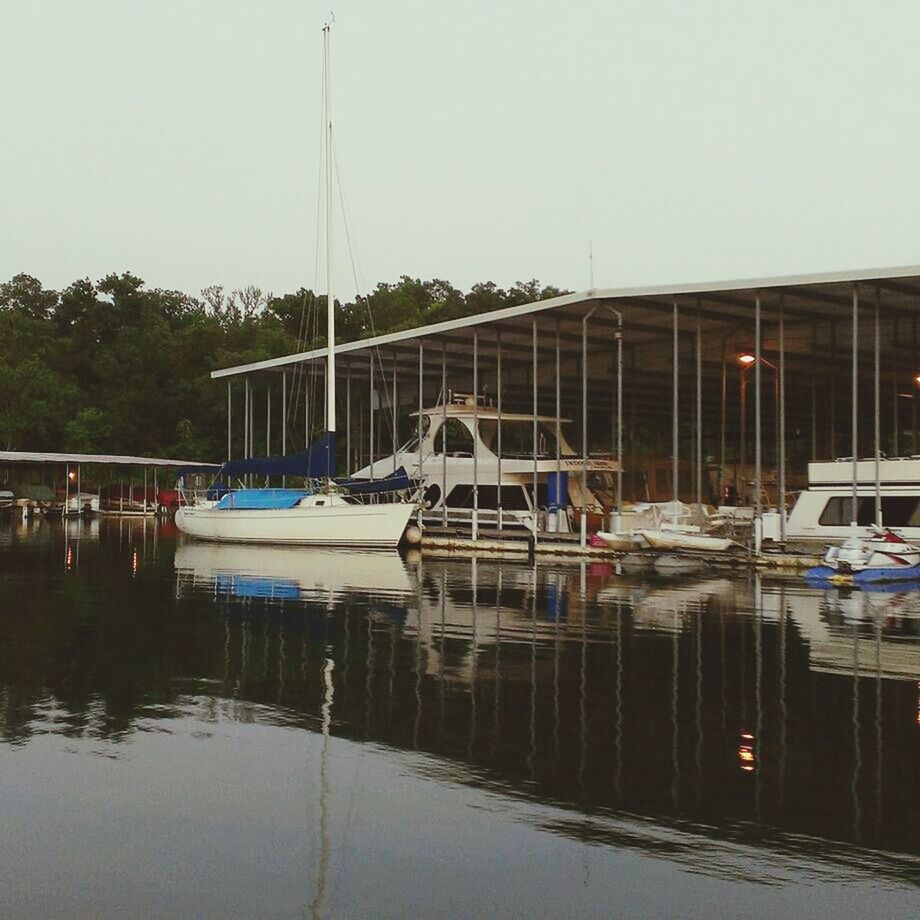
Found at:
(660, 741)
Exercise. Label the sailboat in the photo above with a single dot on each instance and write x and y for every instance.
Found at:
(329, 513)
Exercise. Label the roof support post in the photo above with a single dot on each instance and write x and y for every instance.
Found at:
(284, 421)
(370, 414)
(395, 403)
(535, 509)
(675, 424)
(895, 409)
(854, 400)
(619, 335)
(560, 511)
(699, 409)
(421, 398)
(348, 457)
(268, 422)
(878, 414)
(145, 489)
(781, 394)
(444, 433)
(913, 393)
(246, 419)
(583, 518)
(758, 442)
(476, 434)
(229, 419)
(814, 400)
(498, 420)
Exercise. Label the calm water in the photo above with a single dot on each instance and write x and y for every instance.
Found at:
(193, 730)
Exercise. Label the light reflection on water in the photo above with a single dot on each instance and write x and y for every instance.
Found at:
(540, 740)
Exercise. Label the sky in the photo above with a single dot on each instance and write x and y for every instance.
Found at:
(482, 141)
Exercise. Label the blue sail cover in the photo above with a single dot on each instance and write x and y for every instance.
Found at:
(316, 462)
(395, 482)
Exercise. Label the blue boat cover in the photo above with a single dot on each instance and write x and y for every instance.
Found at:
(261, 498)
(316, 462)
(395, 482)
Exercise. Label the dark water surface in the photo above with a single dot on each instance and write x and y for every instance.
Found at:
(188, 730)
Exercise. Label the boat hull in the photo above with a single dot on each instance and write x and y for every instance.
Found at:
(675, 540)
(372, 526)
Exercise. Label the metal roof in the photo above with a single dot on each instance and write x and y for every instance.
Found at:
(25, 456)
(724, 308)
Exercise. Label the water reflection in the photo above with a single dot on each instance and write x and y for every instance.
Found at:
(698, 720)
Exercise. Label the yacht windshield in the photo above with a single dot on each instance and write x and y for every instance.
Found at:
(517, 438)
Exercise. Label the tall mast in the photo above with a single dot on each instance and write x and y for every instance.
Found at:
(330, 295)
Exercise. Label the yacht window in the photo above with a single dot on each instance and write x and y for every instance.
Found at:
(319, 502)
(517, 437)
(459, 439)
(897, 511)
(513, 497)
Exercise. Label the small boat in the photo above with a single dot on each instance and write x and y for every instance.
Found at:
(626, 542)
(683, 539)
(82, 503)
(883, 556)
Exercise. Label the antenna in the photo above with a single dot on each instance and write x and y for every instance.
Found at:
(591, 266)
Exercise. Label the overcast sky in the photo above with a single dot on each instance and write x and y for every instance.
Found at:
(690, 141)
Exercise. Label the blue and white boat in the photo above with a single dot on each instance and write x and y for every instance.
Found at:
(883, 556)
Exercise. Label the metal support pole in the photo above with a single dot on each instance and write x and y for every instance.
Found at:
(878, 415)
(913, 393)
(444, 433)
(559, 511)
(583, 528)
(145, 491)
(349, 460)
(833, 388)
(619, 418)
(421, 397)
(782, 420)
(896, 409)
(758, 447)
(675, 425)
(395, 416)
(80, 486)
(536, 525)
(246, 420)
(475, 434)
(854, 432)
(66, 495)
(498, 418)
(268, 422)
(284, 422)
(370, 413)
(699, 409)
(229, 421)
(722, 421)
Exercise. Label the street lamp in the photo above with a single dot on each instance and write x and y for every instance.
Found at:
(746, 361)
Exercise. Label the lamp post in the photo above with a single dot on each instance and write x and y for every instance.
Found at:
(746, 360)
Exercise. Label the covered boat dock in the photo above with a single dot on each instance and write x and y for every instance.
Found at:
(709, 393)
(64, 475)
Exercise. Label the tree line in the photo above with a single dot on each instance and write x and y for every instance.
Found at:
(117, 367)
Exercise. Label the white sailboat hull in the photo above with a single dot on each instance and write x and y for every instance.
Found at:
(373, 526)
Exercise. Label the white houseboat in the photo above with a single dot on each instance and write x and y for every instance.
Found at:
(824, 510)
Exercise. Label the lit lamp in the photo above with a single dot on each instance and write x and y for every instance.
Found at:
(917, 379)
(746, 360)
